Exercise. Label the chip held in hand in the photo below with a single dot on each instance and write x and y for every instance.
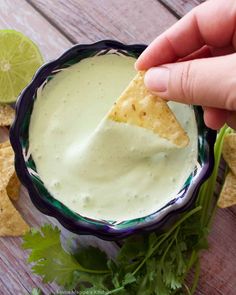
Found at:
(11, 222)
(138, 106)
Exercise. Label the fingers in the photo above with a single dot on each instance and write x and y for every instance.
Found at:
(208, 51)
(215, 118)
(203, 52)
(231, 120)
(197, 28)
(209, 82)
(222, 51)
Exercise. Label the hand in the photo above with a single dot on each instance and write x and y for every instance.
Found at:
(194, 62)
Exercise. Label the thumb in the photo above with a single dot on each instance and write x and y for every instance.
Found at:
(209, 82)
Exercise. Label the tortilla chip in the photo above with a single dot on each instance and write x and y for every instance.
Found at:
(7, 115)
(13, 187)
(11, 223)
(138, 106)
(6, 164)
(228, 193)
(5, 144)
(229, 151)
(8, 177)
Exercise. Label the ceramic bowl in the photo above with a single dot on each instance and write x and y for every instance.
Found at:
(41, 198)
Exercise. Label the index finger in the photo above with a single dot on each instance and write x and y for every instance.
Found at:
(211, 23)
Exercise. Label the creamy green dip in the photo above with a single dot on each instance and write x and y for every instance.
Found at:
(98, 168)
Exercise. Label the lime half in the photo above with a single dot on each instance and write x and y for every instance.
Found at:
(19, 59)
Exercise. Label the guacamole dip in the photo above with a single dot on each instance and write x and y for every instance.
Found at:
(104, 169)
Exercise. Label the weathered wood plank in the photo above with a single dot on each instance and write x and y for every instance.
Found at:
(19, 15)
(180, 7)
(126, 21)
(218, 264)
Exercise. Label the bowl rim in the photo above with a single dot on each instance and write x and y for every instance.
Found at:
(106, 231)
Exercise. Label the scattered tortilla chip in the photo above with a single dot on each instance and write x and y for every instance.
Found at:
(8, 177)
(138, 106)
(7, 114)
(229, 151)
(6, 164)
(13, 187)
(5, 144)
(228, 193)
(11, 223)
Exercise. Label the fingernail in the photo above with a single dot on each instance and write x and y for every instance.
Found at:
(156, 79)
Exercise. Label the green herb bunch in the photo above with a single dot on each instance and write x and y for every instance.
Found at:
(145, 264)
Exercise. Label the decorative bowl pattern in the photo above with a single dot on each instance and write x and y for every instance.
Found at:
(74, 222)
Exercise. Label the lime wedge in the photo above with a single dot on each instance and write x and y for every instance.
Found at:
(19, 59)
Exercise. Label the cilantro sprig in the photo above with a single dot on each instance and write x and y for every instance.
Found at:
(53, 263)
(145, 264)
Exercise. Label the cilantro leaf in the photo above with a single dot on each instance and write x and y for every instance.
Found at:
(133, 248)
(128, 279)
(82, 281)
(91, 258)
(50, 260)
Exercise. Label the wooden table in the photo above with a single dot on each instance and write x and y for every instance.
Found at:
(55, 26)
